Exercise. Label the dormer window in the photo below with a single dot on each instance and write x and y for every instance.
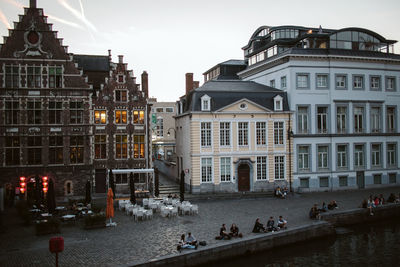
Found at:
(205, 103)
(278, 106)
(121, 78)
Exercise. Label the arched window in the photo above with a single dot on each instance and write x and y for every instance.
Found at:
(68, 188)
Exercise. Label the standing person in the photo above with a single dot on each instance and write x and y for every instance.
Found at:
(223, 233)
(191, 240)
(183, 244)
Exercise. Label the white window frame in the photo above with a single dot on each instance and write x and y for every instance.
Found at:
(304, 122)
(303, 158)
(358, 126)
(279, 167)
(225, 169)
(342, 156)
(262, 168)
(390, 119)
(206, 164)
(359, 156)
(302, 80)
(205, 103)
(391, 154)
(279, 135)
(376, 155)
(375, 114)
(278, 103)
(205, 134)
(375, 83)
(324, 156)
(341, 81)
(225, 134)
(341, 119)
(261, 133)
(243, 134)
(322, 118)
(322, 81)
(283, 82)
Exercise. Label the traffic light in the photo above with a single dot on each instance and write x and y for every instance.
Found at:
(22, 184)
(45, 184)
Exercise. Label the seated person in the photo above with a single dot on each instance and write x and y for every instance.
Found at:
(271, 224)
(258, 227)
(175, 196)
(169, 195)
(235, 231)
(376, 201)
(381, 200)
(285, 191)
(191, 240)
(323, 208)
(183, 244)
(282, 223)
(370, 205)
(314, 213)
(278, 192)
(332, 205)
(222, 232)
(391, 198)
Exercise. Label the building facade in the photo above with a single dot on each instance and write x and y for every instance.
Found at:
(232, 134)
(344, 88)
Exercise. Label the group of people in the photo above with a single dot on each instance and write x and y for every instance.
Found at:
(234, 232)
(281, 193)
(189, 242)
(270, 226)
(375, 201)
(315, 212)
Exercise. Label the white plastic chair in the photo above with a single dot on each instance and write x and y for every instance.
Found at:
(139, 214)
(149, 214)
(164, 212)
(145, 202)
(128, 209)
(194, 209)
(174, 212)
(186, 209)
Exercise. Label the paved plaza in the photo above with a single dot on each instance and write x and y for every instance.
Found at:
(132, 242)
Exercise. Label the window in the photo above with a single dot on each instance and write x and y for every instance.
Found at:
(305, 182)
(243, 133)
(159, 110)
(261, 168)
(390, 119)
(34, 150)
(341, 81)
(55, 77)
(341, 119)
(12, 112)
(391, 155)
(341, 156)
(323, 181)
(138, 116)
(224, 134)
(121, 178)
(392, 178)
(121, 95)
(278, 103)
(121, 146)
(322, 81)
(225, 169)
(272, 83)
(120, 78)
(358, 119)
(261, 133)
(76, 149)
(375, 119)
(55, 111)
(302, 120)
(121, 117)
(303, 158)
(34, 77)
(302, 81)
(358, 82)
(391, 83)
(34, 112)
(12, 76)
(278, 133)
(76, 112)
(358, 156)
(56, 149)
(375, 82)
(100, 146)
(138, 146)
(377, 178)
(283, 82)
(206, 170)
(323, 157)
(343, 181)
(376, 155)
(160, 127)
(12, 150)
(322, 116)
(169, 110)
(205, 103)
(279, 167)
(100, 116)
(206, 134)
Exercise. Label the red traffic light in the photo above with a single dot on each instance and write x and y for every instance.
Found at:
(22, 190)
(22, 179)
(45, 178)
(45, 189)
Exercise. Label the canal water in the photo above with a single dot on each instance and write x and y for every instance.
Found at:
(376, 244)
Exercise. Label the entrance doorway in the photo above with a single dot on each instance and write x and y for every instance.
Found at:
(360, 179)
(101, 182)
(243, 178)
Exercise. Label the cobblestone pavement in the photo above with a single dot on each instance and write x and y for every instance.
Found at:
(131, 242)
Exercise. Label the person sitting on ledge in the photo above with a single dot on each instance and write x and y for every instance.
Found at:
(282, 223)
(271, 225)
(235, 231)
(323, 207)
(278, 192)
(391, 198)
(223, 234)
(314, 213)
(191, 240)
(381, 200)
(376, 200)
(258, 227)
(183, 244)
(332, 205)
(370, 205)
(285, 191)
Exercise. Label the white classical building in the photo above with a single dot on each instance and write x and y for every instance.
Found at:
(343, 86)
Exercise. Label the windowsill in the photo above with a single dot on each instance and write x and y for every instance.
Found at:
(100, 159)
(227, 182)
(282, 179)
(220, 146)
(56, 164)
(323, 170)
(262, 180)
(210, 182)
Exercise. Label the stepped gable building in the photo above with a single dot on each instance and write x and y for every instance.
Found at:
(232, 134)
(343, 85)
(120, 119)
(45, 103)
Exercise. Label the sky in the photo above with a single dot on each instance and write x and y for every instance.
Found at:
(168, 38)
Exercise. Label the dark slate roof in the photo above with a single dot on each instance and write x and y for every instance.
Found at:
(92, 62)
(224, 93)
(233, 62)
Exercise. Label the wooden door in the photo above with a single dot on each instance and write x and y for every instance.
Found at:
(101, 180)
(360, 179)
(244, 178)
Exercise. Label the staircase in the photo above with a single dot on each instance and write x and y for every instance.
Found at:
(172, 189)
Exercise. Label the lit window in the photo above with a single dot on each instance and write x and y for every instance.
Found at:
(121, 146)
(99, 116)
(138, 146)
(138, 116)
(120, 116)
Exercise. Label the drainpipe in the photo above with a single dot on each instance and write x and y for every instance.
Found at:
(290, 135)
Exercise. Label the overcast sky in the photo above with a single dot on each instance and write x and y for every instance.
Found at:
(169, 38)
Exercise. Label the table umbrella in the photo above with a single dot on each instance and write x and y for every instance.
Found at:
(110, 207)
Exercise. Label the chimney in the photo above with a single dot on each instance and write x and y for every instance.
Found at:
(32, 3)
(196, 84)
(145, 84)
(109, 55)
(120, 59)
(189, 82)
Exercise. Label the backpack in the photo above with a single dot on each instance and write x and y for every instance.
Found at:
(202, 243)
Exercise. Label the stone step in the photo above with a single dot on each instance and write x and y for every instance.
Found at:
(236, 195)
